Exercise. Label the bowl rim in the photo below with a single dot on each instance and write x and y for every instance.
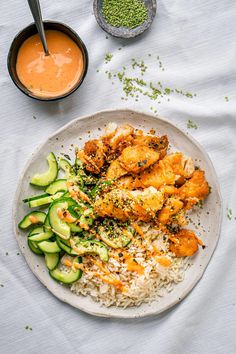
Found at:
(129, 34)
(22, 88)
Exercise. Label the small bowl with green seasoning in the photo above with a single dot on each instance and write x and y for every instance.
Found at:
(124, 18)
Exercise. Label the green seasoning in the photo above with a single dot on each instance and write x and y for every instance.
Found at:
(108, 57)
(138, 84)
(124, 13)
(229, 213)
(191, 124)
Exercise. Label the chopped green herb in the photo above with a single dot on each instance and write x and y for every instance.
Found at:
(108, 57)
(226, 98)
(134, 84)
(229, 213)
(28, 328)
(124, 13)
(67, 156)
(191, 124)
(141, 163)
(2, 286)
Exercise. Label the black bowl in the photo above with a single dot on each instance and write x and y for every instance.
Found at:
(123, 32)
(28, 32)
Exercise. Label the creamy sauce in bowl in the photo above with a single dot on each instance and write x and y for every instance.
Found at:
(52, 75)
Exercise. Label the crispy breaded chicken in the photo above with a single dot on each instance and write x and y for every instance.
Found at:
(158, 175)
(119, 204)
(194, 189)
(150, 198)
(167, 171)
(180, 164)
(157, 143)
(128, 182)
(93, 155)
(135, 159)
(117, 138)
(171, 207)
(115, 170)
(184, 243)
(124, 205)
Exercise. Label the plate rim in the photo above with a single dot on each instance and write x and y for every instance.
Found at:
(188, 289)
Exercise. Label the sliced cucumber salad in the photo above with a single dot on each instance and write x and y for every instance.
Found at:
(68, 227)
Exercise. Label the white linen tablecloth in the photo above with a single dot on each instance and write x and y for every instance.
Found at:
(196, 41)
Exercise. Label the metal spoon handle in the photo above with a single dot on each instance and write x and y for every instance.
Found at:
(37, 15)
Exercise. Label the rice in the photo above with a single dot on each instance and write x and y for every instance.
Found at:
(154, 283)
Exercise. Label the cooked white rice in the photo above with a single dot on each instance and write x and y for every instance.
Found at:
(154, 283)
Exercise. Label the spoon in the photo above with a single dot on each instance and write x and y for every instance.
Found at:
(37, 15)
(123, 32)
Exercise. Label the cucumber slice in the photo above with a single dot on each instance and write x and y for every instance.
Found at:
(57, 186)
(59, 226)
(46, 224)
(77, 210)
(64, 247)
(35, 197)
(87, 218)
(48, 247)
(44, 179)
(92, 246)
(115, 241)
(42, 236)
(36, 230)
(34, 248)
(75, 228)
(67, 168)
(33, 218)
(45, 200)
(67, 277)
(52, 260)
(66, 195)
(78, 163)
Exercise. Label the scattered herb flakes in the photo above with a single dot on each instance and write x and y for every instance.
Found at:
(34, 117)
(6, 253)
(191, 124)
(1, 285)
(66, 156)
(226, 98)
(229, 213)
(108, 57)
(140, 65)
(28, 328)
(18, 254)
(135, 86)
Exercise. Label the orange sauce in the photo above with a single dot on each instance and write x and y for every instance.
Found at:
(163, 261)
(52, 75)
(134, 266)
(33, 219)
(65, 216)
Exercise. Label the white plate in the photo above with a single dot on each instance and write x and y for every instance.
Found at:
(90, 127)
